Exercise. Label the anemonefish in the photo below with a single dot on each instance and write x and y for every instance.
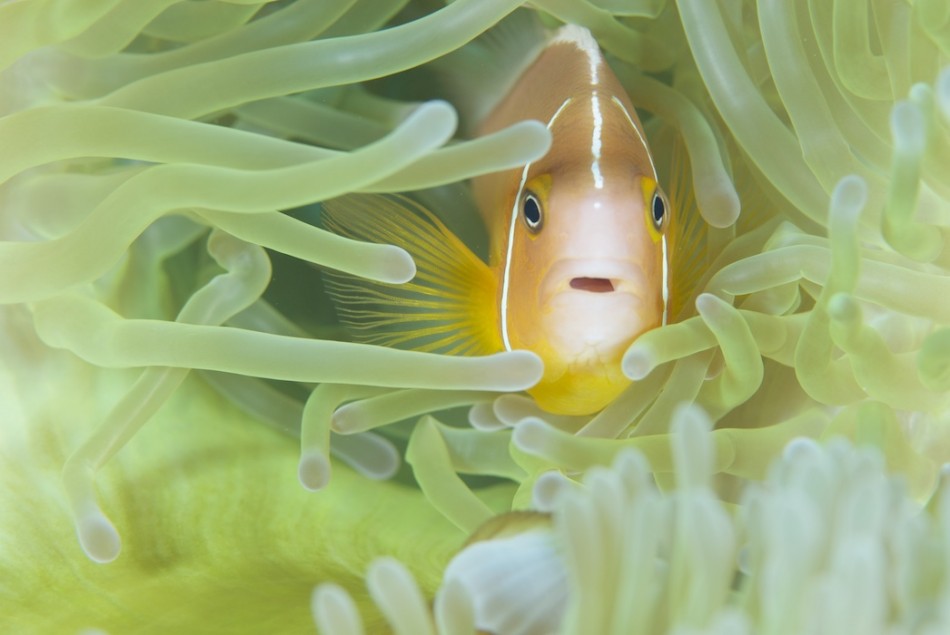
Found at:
(579, 255)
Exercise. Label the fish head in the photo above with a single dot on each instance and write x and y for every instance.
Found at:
(587, 276)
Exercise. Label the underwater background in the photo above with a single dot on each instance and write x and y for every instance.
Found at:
(174, 381)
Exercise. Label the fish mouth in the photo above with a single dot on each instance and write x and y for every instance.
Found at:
(593, 285)
(593, 277)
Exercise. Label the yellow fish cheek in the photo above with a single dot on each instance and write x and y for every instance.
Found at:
(525, 314)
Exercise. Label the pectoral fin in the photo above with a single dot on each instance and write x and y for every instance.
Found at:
(449, 307)
(687, 235)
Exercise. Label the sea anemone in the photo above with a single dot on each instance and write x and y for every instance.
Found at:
(162, 168)
(827, 543)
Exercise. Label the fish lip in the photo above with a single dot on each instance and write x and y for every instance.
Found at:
(624, 276)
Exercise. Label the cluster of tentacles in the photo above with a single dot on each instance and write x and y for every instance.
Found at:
(162, 162)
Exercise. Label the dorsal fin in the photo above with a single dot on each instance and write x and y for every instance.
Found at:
(449, 307)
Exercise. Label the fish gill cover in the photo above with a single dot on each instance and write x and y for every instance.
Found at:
(162, 162)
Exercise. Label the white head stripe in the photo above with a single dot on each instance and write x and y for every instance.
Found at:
(506, 278)
(666, 264)
(643, 141)
(665, 291)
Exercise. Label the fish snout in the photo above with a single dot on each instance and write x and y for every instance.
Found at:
(591, 310)
(594, 277)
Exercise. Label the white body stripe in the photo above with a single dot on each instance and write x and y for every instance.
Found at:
(596, 141)
(582, 39)
(506, 278)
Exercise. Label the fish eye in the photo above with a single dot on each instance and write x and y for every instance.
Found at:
(531, 209)
(658, 209)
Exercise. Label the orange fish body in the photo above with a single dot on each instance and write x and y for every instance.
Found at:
(582, 282)
(578, 262)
